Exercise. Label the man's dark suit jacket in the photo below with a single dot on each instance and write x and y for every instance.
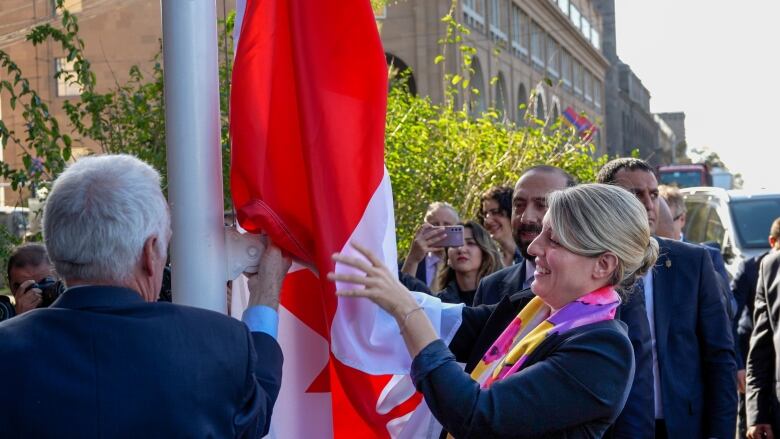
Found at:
(101, 362)
(502, 283)
(694, 344)
(744, 288)
(572, 386)
(763, 364)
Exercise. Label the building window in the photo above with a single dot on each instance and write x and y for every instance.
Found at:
(588, 86)
(577, 78)
(497, 24)
(563, 5)
(522, 103)
(66, 77)
(477, 99)
(537, 50)
(519, 30)
(474, 13)
(586, 28)
(501, 97)
(597, 93)
(574, 14)
(595, 38)
(540, 113)
(566, 68)
(553, 58)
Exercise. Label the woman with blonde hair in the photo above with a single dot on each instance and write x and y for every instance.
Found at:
(554, 363)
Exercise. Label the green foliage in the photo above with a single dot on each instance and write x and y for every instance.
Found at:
(7, 243)
(437, 153)
(134, 115)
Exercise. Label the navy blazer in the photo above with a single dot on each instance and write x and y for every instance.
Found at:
(637, 420)
(453, 294)
(101, 362)
(744, 288)
(502, 283)
(572, 386)
(694, 343)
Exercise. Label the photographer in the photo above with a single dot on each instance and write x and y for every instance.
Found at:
(32, 280)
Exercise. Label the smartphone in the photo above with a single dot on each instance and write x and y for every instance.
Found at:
(454, 237)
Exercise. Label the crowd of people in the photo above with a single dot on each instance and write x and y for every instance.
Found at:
(586, 315)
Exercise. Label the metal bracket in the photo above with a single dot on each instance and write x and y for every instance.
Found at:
(242, 252)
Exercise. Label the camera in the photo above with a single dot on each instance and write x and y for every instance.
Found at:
(51, 289)
(6, 308)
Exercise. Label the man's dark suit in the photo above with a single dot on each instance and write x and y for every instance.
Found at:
(763, 363)
(502, 283)
(694, 344)
(101, 362)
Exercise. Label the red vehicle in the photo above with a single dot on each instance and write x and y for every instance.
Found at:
(685, 175)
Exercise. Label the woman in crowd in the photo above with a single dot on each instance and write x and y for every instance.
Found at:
(466, 265)
(555, 364)
(495, 215)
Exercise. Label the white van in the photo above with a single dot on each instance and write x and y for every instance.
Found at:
(735, 221)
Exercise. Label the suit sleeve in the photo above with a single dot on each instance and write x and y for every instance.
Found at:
(637, 420)
(717, 355)
(482, 288)
(262, 382)
(761, 359)
(474, 320)
(741, 289)
(593, 370)
(744, 288)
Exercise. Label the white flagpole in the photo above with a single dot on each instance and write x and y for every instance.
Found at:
(194, 158)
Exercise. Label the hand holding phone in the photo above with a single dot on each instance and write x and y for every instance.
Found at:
(453, 237)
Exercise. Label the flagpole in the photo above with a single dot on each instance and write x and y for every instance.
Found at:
(194, 156)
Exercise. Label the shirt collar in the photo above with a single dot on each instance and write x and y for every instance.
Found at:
(529, 269)
(97, 296)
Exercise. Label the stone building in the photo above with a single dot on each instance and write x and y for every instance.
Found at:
(676, 121)
(518, 44)
(630, 124)
(667, 141)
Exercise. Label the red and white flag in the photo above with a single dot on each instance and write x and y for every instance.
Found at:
(308, 103)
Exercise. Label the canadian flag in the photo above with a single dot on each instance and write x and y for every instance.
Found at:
(307, 120)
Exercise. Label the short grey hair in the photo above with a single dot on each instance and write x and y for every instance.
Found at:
(99, 214)
(436, 205)
(592, 219)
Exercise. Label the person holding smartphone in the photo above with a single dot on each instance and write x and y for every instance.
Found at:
(466, 264)
(426, 254)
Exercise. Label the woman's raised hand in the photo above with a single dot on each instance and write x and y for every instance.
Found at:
(379, 284)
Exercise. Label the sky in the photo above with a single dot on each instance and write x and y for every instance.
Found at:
(719, 62)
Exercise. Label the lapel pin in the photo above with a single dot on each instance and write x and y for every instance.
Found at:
(668, 263)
